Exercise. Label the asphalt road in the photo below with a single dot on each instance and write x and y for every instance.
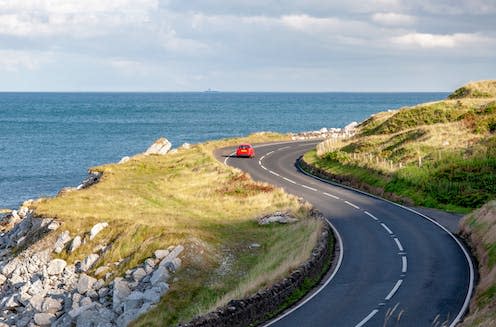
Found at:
(398, 268)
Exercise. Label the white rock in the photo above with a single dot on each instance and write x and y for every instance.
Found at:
(43, 319)
(2, 279)
(101, 270)
(160, 254)
(323, 130)
(10, 302)
(159, 275)
(56, 266)
(62, 240)
(155, 293)
(160, 146)
(277, 218)
(138, 274)
(76, 243)
(351, 126)
(53, 225)
(185, 146)
(173, 254)
(172, 265)
(51, 305)
(97, 229)
(85, 301)
(36, 287)
(120, 292)
(85, 283)
(124, 159)
(89, 261)
(77, 311)
(37, 301)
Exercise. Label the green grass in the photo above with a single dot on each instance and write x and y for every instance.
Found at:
(189, 198)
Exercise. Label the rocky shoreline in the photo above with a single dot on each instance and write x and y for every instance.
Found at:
(38, 289)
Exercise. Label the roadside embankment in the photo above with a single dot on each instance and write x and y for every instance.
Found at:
(479, 230)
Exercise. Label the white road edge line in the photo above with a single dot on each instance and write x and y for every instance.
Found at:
(336, 269)
(387, 228)
(274, 173)
(263, 167)
(371, 215)
(404, 264)
(330, 195)
(366, 319)
(352, 204)
(284, 147)
(400, 247)
(471, 282)
(308, 187)
(289, 180)
(269, 153)
(393, 291)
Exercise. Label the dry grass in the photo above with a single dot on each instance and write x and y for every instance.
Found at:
(479, 89)
(480, 228)
(189, 198)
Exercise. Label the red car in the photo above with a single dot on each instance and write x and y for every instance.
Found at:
(245, 150)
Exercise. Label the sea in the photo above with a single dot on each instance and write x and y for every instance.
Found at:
(49, 140)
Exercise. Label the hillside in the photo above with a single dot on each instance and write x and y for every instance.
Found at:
(167, 236)
(479, 228)
(440, 154)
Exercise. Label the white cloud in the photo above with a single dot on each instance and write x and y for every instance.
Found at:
(13, 60)
(426, 40)
(393, 19)
(31, 18)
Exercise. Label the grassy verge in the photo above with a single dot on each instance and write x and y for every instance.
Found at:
(152, 202)
(479, 228)
(440, 154)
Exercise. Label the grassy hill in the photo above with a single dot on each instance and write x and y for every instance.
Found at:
(440, 154)
(189, 198)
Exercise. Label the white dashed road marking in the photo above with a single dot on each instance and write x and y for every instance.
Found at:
(289, 180)
(404, 265)
(366, 319)
(330, 195)
(395, 288)
(351, 204)
(308, 187)
(400, 247)
(387, 228)
(371, 215)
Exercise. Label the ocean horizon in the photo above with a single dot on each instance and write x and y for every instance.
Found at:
(50, 139)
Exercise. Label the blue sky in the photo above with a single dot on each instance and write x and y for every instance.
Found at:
(255, 45)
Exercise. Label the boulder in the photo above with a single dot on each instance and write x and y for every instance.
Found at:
(277, 217)
(173, 254)
(120, 292)
(88, 262)
(76, 243)
(156, 292)
(97, 229)
(51, 305)
(37, 301)
(95, 318)
(351, 126)
(56, 266)
(138, 274)
(77, 311)
(44, 319)
(62, 240)
(159, 275)
(160, 146)
(85, 283)
(36, 287)
(124, 159)
(160, 254)
(2, 279)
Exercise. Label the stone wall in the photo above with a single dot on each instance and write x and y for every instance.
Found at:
(259, 307)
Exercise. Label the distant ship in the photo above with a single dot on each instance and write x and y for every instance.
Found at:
(211, 91)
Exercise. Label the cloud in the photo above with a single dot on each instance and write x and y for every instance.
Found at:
(393, 19)
(14, 60)
(429, 41)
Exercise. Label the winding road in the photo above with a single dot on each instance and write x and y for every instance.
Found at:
(398, 268)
